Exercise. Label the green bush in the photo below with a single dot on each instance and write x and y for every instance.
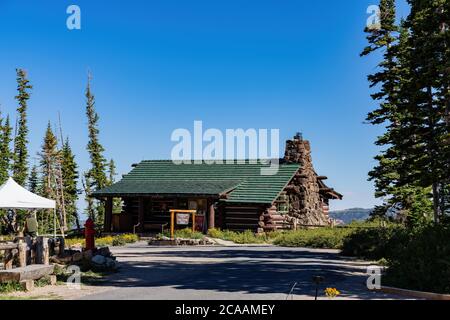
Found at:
(187, 233)
(330, 238)
(417, 258)
(373, 243)
(215, 233)
(130, 237)
(421, 260)
(117, 240)
(123, 239)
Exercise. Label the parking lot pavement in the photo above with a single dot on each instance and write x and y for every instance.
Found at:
(239, 272)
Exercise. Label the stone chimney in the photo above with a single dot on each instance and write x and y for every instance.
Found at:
(304, 196)
(298, 151)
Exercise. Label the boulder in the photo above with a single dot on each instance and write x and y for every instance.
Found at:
(87, 255)
(104, 251)
(98, 260)
(78, 256)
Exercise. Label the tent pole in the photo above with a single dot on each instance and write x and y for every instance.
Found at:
(54, 223)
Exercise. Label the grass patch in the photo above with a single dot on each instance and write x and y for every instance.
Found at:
(186, 233)
(10, 286)
(246, 237)
(87, 278)
(42, 282)
(117, 240)
(41, 297)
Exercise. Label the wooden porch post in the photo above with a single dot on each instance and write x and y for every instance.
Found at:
(108, 214)
(141, 214)
(211, 223)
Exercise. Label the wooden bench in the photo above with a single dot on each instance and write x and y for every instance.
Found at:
(31, 272)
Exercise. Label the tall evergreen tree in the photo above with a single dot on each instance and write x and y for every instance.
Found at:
(412, 106)
(5, 149)
(90, 208)
(48, 160)
(429, 160)
(389, 80)
(111, 172)
(34, 181)
(70, 177)
(20, 165)
(117, 202)
(96, 176)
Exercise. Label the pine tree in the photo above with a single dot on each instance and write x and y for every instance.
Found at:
(33, 181)
(5, 151)
(96, 176)
(90, 208)
(117, 202)
(111, 172)
(429, 160)
(48, 161)
(389, 78)
(20, 165)
(414, 108)
(70, 177)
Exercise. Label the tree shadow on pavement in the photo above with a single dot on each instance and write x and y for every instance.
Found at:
(249, 275)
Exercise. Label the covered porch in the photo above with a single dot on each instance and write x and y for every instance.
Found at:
(151, 213)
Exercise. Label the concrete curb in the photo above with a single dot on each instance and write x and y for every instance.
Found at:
(415, 294)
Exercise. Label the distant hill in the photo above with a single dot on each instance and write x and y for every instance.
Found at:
(349, 215)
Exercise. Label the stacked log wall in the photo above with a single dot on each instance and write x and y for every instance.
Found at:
(275, 220)
(241, 217)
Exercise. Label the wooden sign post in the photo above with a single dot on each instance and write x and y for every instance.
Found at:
(172, 219)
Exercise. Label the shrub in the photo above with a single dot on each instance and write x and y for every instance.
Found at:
(246, 237)
(118, 240)
(187, 233)
(104, 241)
(417, 258)
(330, 238)
(130, 237)
(421, 261)
(373, 243)
(215, 233)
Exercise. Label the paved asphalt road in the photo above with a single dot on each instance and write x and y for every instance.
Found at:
(238, 272)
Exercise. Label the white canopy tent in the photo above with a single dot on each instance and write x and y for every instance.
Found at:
(14, 196)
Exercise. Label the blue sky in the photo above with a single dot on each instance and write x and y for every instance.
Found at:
(160, 65)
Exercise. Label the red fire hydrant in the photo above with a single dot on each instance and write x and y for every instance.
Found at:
(89, 234)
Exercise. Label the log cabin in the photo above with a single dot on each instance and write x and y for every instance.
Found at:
(233, 196)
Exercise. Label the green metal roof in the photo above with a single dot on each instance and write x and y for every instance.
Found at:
(242, 181)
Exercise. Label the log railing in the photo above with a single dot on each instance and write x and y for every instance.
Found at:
(27, 252)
